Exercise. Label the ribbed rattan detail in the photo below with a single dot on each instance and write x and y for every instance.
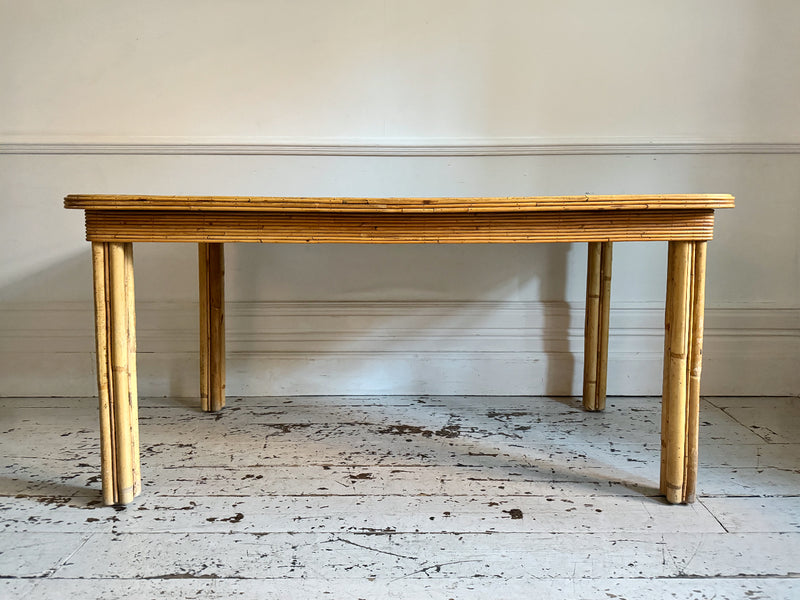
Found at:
(237, 226)
(400, 205)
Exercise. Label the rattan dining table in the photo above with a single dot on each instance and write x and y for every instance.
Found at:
(115, 222)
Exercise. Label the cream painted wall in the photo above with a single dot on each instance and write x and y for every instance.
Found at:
(401, 69)
(626, 80)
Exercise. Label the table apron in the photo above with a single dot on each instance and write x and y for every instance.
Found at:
(391, 228)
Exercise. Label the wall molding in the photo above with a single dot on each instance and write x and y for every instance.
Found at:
(443, 148)
(322, 326)
(396, 347)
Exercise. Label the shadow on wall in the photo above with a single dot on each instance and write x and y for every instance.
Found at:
(47, 345)
(46, 332)
(426, 334)
(66, 279)
(404, 319)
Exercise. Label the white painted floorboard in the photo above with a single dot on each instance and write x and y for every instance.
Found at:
(389, 497)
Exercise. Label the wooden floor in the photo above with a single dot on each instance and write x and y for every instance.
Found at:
(414, 498)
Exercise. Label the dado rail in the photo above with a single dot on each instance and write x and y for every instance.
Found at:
(114, 223)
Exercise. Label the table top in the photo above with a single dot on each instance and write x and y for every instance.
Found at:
(399, 205)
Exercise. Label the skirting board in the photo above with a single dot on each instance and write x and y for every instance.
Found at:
(312, 348)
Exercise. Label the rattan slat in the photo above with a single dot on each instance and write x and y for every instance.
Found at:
(236, 226)
(400, 205)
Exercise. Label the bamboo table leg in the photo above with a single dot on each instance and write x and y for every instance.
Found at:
(683, 352)
(212, 326)
(115, 329)
(595, 341)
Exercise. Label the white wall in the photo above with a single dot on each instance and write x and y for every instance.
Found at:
(401, 69)
(400, 98)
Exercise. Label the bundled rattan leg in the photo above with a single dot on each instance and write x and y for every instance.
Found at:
(212, 326)
(683, 351)
(115, 329)
(595, 344)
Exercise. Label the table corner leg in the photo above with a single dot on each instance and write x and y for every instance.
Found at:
(598, 303)
(211, 268)
(682, 368)
(115, 329)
